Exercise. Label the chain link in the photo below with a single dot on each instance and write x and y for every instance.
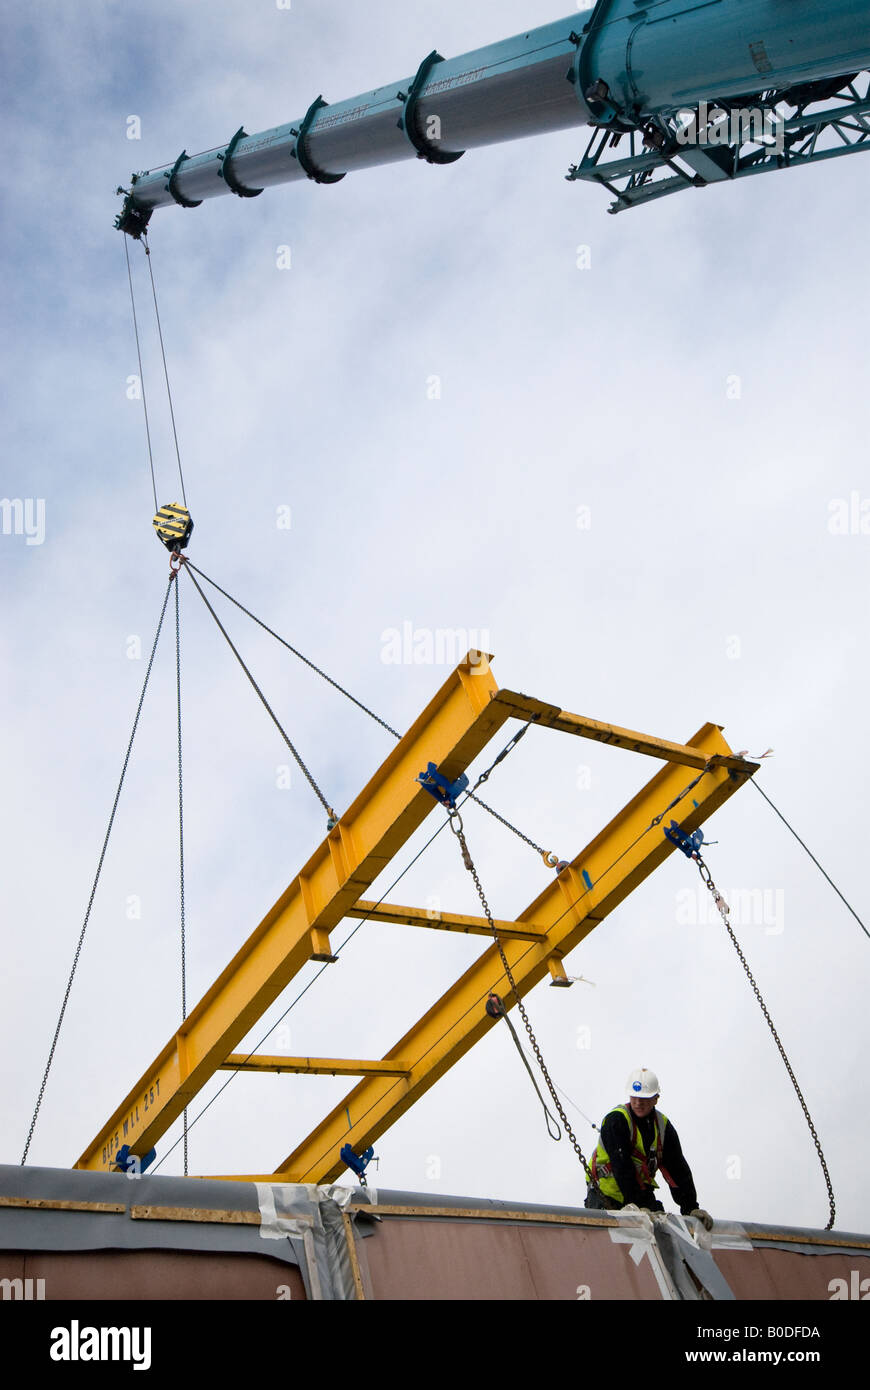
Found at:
(505, 822)
(724, 910)
(550, 859)
(456, 827)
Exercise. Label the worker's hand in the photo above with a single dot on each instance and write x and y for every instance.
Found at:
(704, 1217)
(649, 1203)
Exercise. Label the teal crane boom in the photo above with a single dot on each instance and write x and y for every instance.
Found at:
(695, 93)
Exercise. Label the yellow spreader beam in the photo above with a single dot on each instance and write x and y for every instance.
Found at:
(444, 921)
(315, 1066)
(458, 723)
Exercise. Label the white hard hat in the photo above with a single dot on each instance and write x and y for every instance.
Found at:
(643, 1083)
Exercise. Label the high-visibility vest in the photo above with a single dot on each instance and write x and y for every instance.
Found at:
(602, 1168)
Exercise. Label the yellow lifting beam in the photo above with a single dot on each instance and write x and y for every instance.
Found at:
(524, 707)
(317, 1066)
(457, 724)
(445, 921)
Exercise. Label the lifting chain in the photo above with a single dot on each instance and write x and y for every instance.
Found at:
(724, 910)
(457, 828)
(551, 860)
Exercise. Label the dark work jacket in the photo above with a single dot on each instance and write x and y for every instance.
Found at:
(616, 1137)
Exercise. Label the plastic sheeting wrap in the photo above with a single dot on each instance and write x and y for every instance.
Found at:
(689, 1263)
(310, 1218)
(76, 1213)
(88, 1234)
(82, 1227)
(681, 1260)
(635, 1229)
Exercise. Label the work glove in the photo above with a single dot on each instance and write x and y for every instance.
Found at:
(704, 1217)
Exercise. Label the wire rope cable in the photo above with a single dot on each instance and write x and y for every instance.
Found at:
(165, 368)
(141, 376)
(278, 638)
(576, 1107)
(813, 857)
(272, 715)
(97, 876)
(181, 835)
(656, 820)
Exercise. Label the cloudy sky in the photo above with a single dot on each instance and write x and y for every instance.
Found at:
(588, 496)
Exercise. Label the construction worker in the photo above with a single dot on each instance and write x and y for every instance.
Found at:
(637, 1141)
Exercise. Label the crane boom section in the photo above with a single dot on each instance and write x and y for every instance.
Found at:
(626, 64)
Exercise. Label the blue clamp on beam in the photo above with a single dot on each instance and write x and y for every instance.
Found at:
(357, 1162)
(132, 1165)
(426, 147)
(689, 844)
(443, 791)
(225, 171)
(300, 149)
(172, 185)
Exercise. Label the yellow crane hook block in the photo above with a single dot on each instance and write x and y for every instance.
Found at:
(174, 526)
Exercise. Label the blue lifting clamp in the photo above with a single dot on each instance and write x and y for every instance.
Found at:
(689, 844)
(443, 791)
(132, 1165)
(357, 1162)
